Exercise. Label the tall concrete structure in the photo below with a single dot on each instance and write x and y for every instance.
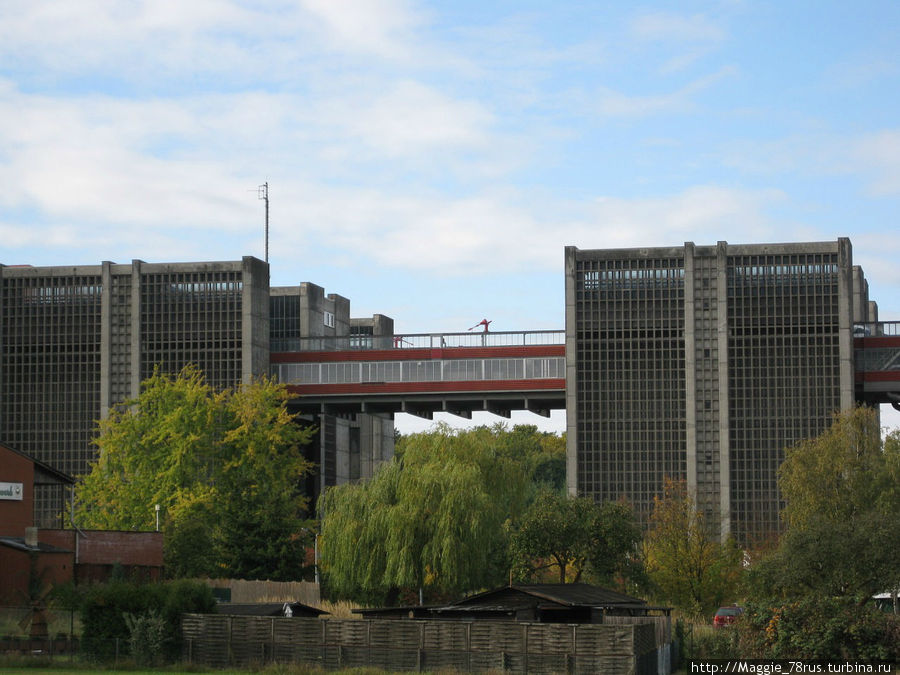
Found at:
(348, 447)
(704, 363)
(75, 341)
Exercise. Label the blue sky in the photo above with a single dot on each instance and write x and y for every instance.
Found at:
(430, 160)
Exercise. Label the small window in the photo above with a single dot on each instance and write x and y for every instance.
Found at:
(329, 319)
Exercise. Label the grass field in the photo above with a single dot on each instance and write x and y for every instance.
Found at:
(22, 667)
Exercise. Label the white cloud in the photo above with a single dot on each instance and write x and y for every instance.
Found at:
(159, 172)
(704, 214)
(862, 70)
(669, 27)
(185, 163)
(616, 104)
(87, 160)
(879, 154)
(383, 27)
(412, 119)
(692, 36)
(165, 44)
(509, 232)
(121, 37)
(874, 157)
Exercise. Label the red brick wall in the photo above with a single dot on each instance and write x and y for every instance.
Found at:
(14, 578)
(97, 547)
(16, 515)
(52, 569)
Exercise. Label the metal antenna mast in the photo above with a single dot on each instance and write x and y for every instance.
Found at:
(263, 193)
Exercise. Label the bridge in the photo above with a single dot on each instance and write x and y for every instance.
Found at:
(877, 358)
(461, 373)
(424, 373)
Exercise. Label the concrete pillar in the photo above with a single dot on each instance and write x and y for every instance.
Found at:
(105, 338)
(845, 323)
(254, 319)
(724, 395)
(136, 356)
(571, 375)
(690, 370)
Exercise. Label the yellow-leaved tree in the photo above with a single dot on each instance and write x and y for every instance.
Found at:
(225, 467)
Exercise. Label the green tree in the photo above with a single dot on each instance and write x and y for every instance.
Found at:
(615, 557)
(435, 517)
(685, 561)
(574, 535)
(844, 472)
(842, 514)
(555, 533)
(225, 468)
(542, 454)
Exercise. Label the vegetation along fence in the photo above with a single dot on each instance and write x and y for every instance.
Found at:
(223, 641)
(241, 591)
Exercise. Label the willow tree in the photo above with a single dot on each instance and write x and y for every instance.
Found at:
(435, 517)
(224, 467)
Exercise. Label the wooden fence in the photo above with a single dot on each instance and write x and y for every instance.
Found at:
(408, 645)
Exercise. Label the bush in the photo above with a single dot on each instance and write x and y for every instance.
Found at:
(715, 643)
(147, 637)
(818, 628)
(118, 611)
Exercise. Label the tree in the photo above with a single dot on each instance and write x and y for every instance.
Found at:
(842, 514)
(574, 535)
(811, 594)
(844, 472)
(853, 559)
(542, 454)
(434, 517)
(615, 551)
(687, 564)
(225, 468)
(555, 533)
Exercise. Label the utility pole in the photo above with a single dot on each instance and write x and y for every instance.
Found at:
(263, 193)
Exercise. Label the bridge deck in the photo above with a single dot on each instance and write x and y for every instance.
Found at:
(877, 357)
(499, 372)
(422, 374)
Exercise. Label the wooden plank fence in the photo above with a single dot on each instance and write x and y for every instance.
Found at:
(408, 645)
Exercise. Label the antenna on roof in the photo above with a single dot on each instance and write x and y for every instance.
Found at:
(263, 193)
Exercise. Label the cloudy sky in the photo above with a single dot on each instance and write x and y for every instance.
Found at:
(430, 160)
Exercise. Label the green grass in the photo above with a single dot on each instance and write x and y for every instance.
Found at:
(42, 666)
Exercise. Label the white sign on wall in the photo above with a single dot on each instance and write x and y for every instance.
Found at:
(11, 491)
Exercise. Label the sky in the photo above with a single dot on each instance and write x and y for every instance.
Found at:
(431, 160)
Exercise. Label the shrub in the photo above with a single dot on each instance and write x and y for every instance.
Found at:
(716, 643)
(147, 637)
(106, 607)
(818, 628)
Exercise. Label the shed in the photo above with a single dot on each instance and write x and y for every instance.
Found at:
(545, 603)
(541, 603)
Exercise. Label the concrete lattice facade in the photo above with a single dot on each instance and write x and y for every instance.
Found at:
(704, 363)
(75, 341)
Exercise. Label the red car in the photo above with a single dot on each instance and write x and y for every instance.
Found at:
(726, 616)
